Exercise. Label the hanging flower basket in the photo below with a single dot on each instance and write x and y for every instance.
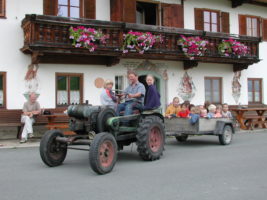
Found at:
(87, 37)
(138, 41)
(193, 46)
(232, 47)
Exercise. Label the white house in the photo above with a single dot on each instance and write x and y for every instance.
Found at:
(37, 55)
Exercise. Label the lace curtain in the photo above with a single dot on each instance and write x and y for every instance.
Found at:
(62, 97)
(75, 97)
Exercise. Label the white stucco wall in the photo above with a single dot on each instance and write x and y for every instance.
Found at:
(15, 63)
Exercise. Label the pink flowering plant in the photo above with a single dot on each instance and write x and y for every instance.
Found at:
(139, 41)
(232, 47)
(193, 46)
(87, 37)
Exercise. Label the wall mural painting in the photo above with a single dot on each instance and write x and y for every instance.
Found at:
(186, 89)
(31, 80)
(236, 86)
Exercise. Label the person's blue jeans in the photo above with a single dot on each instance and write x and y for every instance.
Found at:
(128, 107)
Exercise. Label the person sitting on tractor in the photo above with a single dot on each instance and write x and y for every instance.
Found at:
(134, 96)
(107, 96)
(152, 100)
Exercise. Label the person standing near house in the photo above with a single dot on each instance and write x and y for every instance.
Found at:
(31, 109)
(107, 96)
(173, 108)
(134, 95)
(152, 96)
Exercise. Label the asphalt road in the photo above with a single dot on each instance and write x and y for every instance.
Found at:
(198, 169)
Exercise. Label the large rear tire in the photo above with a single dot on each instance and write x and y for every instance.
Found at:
(150, 138)
(102, 118)
(103, 153)
(226, 137)
(52, 152)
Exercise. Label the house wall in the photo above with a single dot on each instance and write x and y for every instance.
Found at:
(15, 63)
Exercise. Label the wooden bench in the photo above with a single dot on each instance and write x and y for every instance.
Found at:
(253, 121)
(12, 118)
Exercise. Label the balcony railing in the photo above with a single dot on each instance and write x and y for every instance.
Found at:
(47, 39)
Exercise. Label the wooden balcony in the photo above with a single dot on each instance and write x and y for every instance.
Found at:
(46, 38)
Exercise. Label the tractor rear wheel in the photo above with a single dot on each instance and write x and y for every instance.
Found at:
(150, 138)
(102, 118)
(103, 153)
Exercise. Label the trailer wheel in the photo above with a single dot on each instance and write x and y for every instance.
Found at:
(226, 137)
(181, 138)
(150, 138)
(52, 152)
(103, 153)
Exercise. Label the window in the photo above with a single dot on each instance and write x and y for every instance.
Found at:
(69, 89)
(119, 83)
(2, 8)
(249, 25)
(254, 90)
(69, 8)
(2, 89)
(252, 26)
(213, 89)
(146, 13)
(211, 22)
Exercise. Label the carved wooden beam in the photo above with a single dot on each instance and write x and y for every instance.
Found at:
(239, 66)
(188, 64)
(36, 57)
(113, 61)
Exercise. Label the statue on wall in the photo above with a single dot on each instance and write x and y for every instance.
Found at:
(31, 80)
(236, 86)
(186, 88)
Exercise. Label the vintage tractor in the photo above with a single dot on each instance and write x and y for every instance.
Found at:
(102, 131)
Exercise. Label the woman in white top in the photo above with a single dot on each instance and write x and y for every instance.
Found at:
(107, 96)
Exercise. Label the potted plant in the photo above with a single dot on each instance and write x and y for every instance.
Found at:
(86, 37)
(232, 47)
(138, 41)
(193, 46)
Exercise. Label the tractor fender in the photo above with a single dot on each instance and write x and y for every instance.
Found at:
(220, 127)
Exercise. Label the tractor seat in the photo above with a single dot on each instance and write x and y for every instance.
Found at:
(135, 111)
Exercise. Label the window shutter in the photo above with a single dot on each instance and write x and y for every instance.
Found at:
(225, 22)
(173, 15)
(90, 9)
(116, 10)
(2, 8)
(166, 15)
(242, 25)
(264, 29)
(129, 11)
(50, 7)
(199, 21)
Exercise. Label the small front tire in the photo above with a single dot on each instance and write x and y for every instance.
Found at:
(52, 152)
(103, 153)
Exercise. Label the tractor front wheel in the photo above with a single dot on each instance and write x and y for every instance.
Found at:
(52, 152)
(103, 153)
